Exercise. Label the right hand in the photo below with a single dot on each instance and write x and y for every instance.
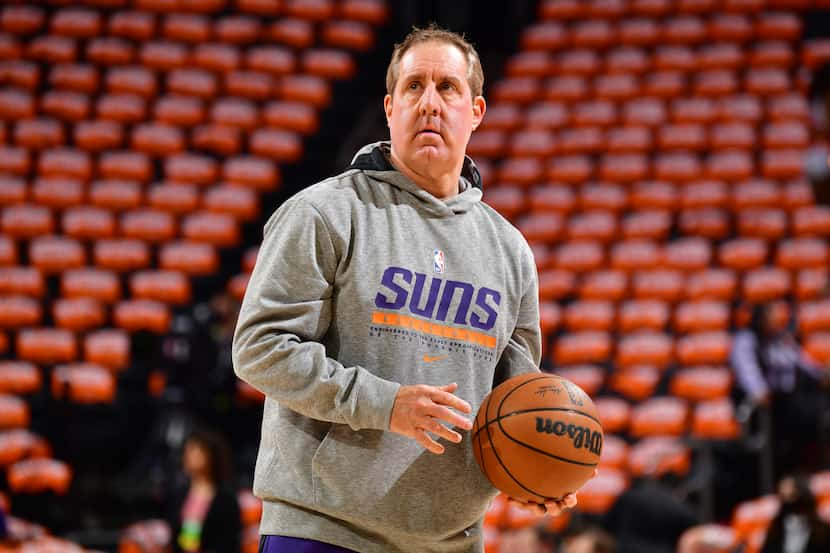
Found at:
(419, 409)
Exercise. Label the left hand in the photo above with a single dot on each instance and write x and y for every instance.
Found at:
(553, 508)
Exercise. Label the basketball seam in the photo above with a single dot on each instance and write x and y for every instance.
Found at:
(534, 410)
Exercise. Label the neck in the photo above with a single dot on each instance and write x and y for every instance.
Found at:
(443, 186)
(202, 482)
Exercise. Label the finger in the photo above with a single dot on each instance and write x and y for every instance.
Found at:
(553, 508)
(429, 444)
(449, 388)
(451, 417)
(443, 397)
(435, 427)
(569, 500)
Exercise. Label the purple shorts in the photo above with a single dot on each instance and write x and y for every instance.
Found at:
(281, 544)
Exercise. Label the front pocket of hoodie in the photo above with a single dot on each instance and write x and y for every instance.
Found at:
(389, 483)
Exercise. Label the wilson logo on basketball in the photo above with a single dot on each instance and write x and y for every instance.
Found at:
(582, 437)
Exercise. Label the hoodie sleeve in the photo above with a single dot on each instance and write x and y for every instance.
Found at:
(523, 352)
(286, 312)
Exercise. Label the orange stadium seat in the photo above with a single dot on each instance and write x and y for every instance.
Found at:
(39, 475)
(636, 315)
(545, 35)
(66, 162)
(631, 255)
(19, 377)
(687, 254)
(604, 285)
(241, 203)
(292, 116)
(629, 139)
(189, 258)
(237, 29)
(811, 221)
(216, 57)
(28, 281)
(599, 226)
(782, 164)
(614, 414)
(811, 284)
(22, 19)
(580, 256)
(660, 284)
(115, 195)
(173, 198)
(614, 453)
(772, 54)
(375, 12)
(756, 194)
(703, 348)
(78, 314)
(571, 169)
(797, 194)
(817, 345)
(190, 168)
(720, 56)
(547, 115)
(121, 254)
(701, 315)
(157, 139)
(26, 221)
(589, 315)
(521, 90)
(753, 515)
(704, 193)
(659, 455)
(636, 383)
(648, 225)
(83, 383)
(741, 107)
(702, 383)
(121, 108)
(46, 345)
(278, 145)
(57, 192)
(582, 347)
(135, 25)
(55, 254)
(529, 64)
(76, 23)
(136, 315)
(149, 225)
(171, 287)
(98, 135)
(707, 222)
(673, 57)
(8, 251)
(131, 80)
(250, 171)
(190, 28)
(551, 198)
(219, 139)
(107, 51)
(729, 166)
(541, 227)
(742, 253)
(14, 412)
(238, 283)
(766, 284)
(638, 32)
(109, 348)
(787, 107)
(665, 84)
(588, 377)
(21, 74)
(126, 165)
(734, 135)
(19, 311)
(600, 493)
(52, 49)
(555, 284)
(644, 348)
(179, 110)
(37, 134)
(12, 190)
(76, 77)
(584, 140)
(802, 253)
(218, 229)
(813, 316)
(88, 223)
(766, 223)
(508, 201)
(97, 284)
(715, 420)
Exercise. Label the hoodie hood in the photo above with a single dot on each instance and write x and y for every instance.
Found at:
(373, 159)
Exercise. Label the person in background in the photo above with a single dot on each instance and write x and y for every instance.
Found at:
(797, 527)
(204, 517)
(772, 370)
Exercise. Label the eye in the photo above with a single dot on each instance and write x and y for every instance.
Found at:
(446, 85)
(414, 85)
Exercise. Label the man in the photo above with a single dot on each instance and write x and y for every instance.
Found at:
(385, 304)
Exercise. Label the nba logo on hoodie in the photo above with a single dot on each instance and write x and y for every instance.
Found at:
(438, 261)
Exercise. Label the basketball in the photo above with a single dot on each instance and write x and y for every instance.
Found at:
(537, 437)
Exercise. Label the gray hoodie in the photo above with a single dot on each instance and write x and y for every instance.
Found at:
(366, 282)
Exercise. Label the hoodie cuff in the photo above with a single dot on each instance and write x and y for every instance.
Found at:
(375, 400)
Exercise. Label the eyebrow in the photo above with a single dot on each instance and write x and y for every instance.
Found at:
(421, 76)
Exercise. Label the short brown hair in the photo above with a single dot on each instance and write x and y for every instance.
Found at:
(434, 33)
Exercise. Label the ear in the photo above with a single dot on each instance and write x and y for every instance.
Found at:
(387, 108)
(479, 108)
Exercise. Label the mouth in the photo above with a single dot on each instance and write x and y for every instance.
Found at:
(429, 131)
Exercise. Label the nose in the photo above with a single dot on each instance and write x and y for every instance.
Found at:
(430, 104)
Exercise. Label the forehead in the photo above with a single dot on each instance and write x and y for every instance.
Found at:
(434, 57)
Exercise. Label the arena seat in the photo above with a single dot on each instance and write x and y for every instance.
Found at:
(37, 475)
(142, 314)
(614, 414)
(78, 314)
(83, 383)
(655, 456)
(636, 383)
(19, 377)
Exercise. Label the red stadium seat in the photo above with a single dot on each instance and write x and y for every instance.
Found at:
(811, 284)
(555, 284)
(237, 29)
(218, 229)
(702, 383)
(8, 251)
(638, 32)
(604, 285)
(85, 383)
(782, 164)
(732, 136)
(40, 475)
(149, 225)
(223, 140)
(813, 316)
(22, 280)
(687, 254)
(817, 345)
(12, 190)
(108, 51)
(253, 172)
(581, 61)
(729, 166)
(136, 315)
(216, 57)
(115, 195)
(753, 515)
(802, 253)
(508, 201)
(190, 28)
(720, 56)
(552, 198)
(587, 377)
(703, 348)
(579, 256)
(78, 314)
(46, 345)
(157, 139)
(521, 90)
(52, 49)
(600, 493)
(541, 227)
(173, 198)
(76, 77)
(293, 116)
(121, 255)
(109, 348)
(635, 383)
(702, 315)
(37, 134)
(132, 80)
(21, 19)
(599, 226)
(121, 107)
(665, 84)
(529, 64)
(279, 145)
(769, 224)
(772, 54)
(375, 12)
(55, 254)
(57, 192)
(19, 74)
(614, 453)
(179, 110)
(293, 32)
(98, 135)
(811, 221)
(354, 35)
(90, 283)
